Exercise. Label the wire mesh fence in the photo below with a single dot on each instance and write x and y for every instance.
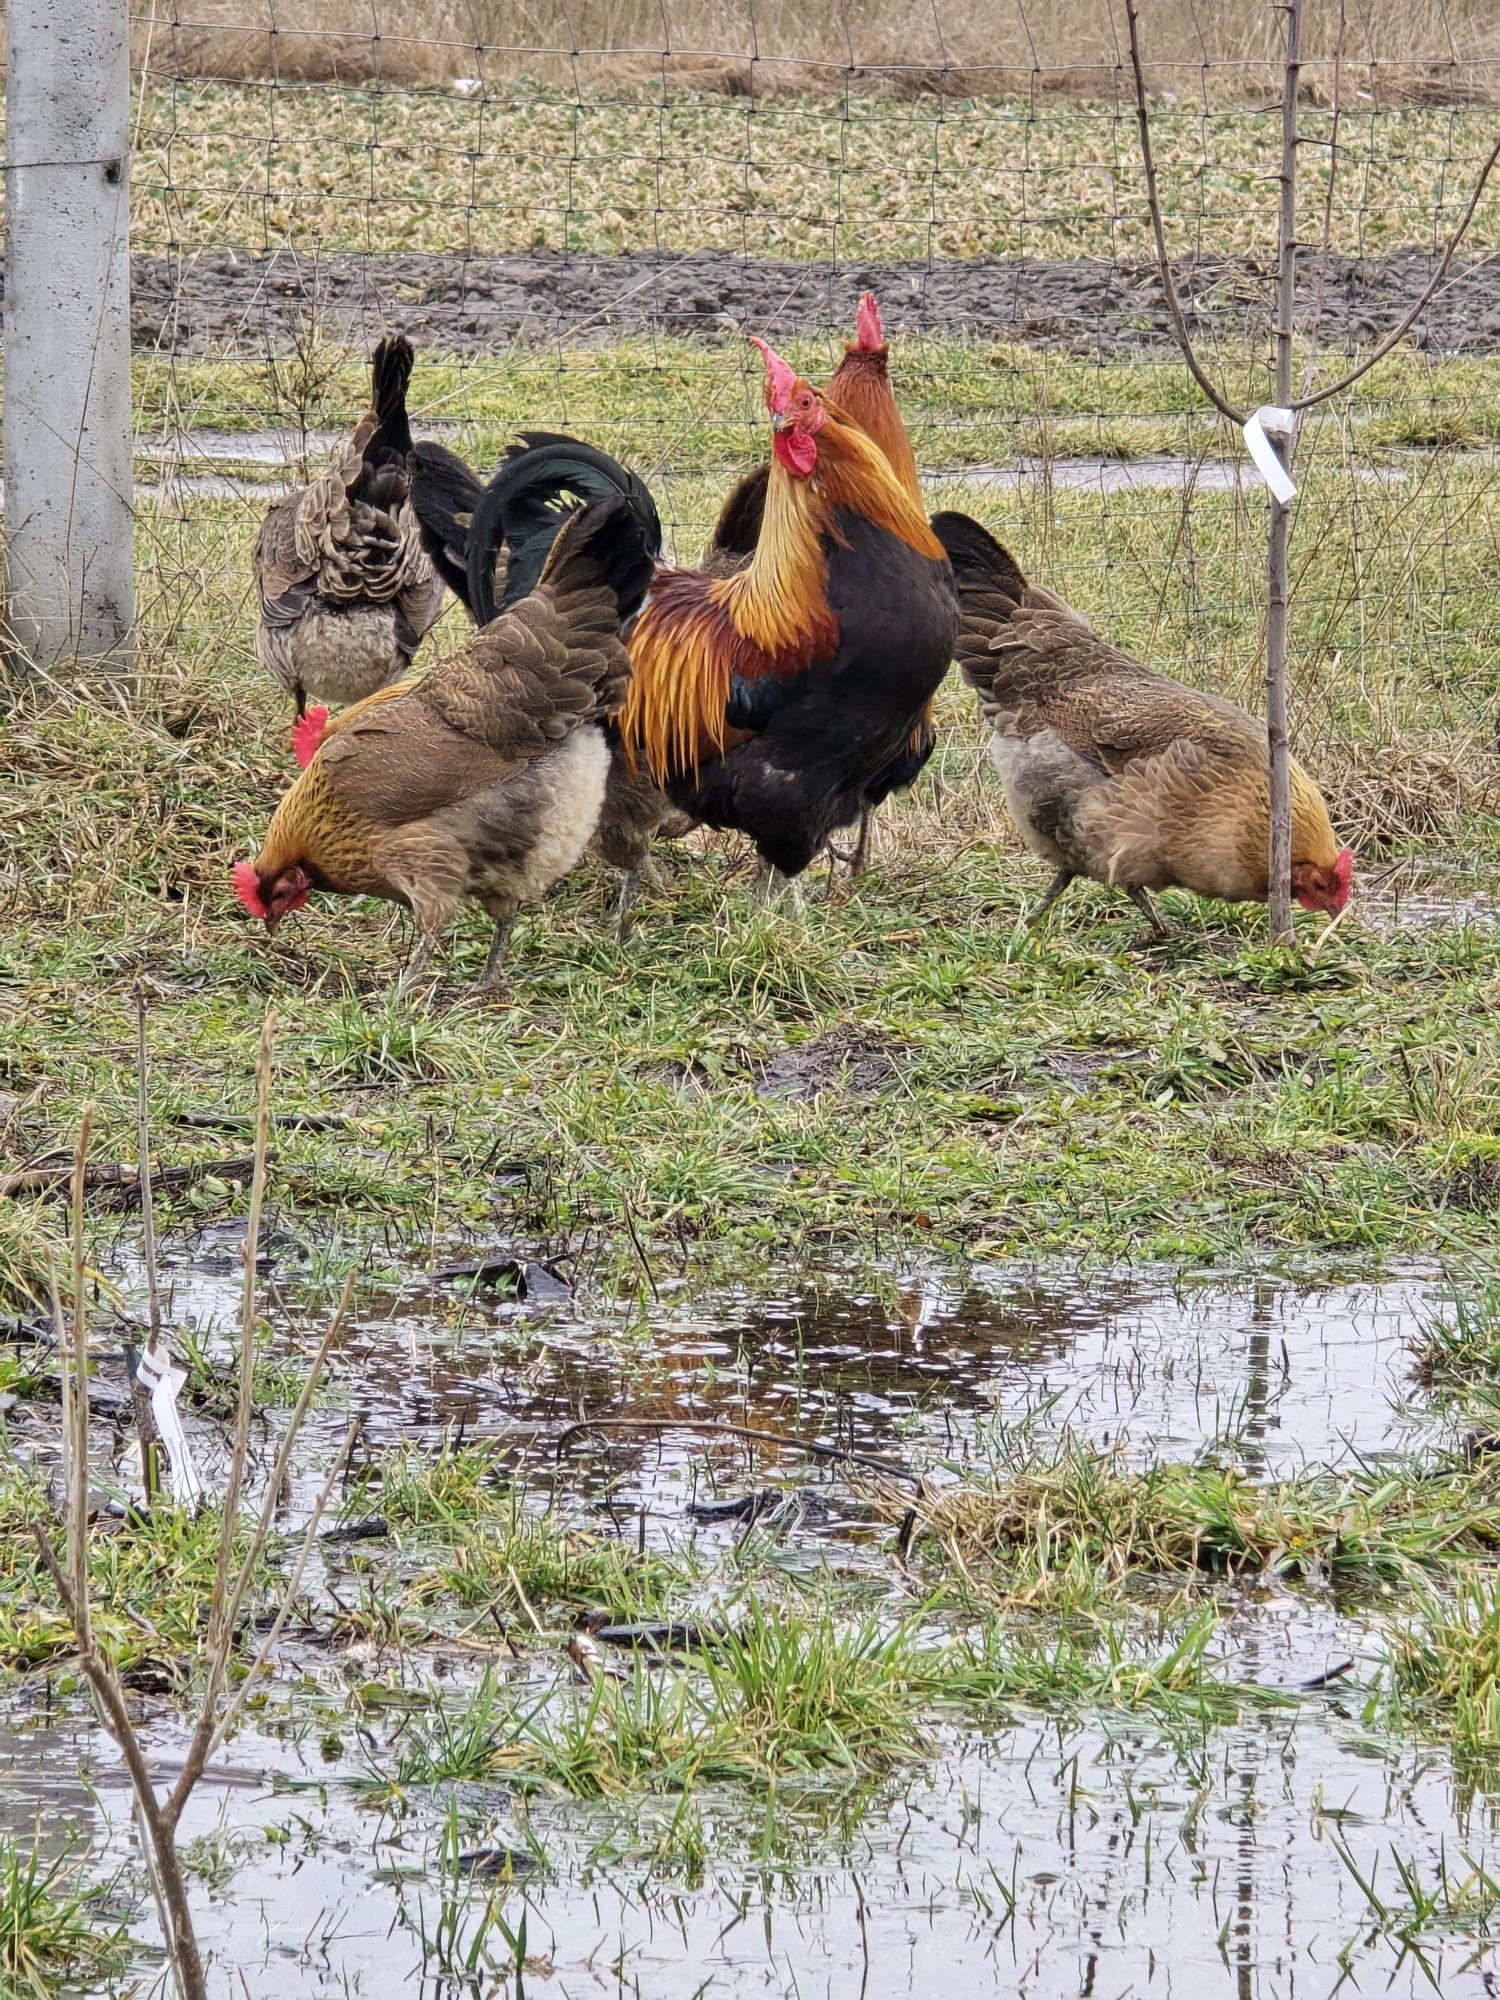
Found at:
(578, 214)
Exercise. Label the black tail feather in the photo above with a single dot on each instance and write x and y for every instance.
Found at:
(444, 494)
(608, 539)
(544, 479)
(737, 530)
(390, 372)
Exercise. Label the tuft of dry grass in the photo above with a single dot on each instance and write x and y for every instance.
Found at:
(1423, 53)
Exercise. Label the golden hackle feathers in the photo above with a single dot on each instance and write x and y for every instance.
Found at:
(861, 388)
(697, 632)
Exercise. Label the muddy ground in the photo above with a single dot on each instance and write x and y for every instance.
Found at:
(225, 299)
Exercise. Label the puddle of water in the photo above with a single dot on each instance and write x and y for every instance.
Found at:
(932, 1364)
(1032, 1856)
(1036, 1859)
(1096, 475)
(1423, 894)
(1163, 471)
(279, 448)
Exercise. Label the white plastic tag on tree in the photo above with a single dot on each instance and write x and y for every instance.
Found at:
(1272, 421)
(162, 1382)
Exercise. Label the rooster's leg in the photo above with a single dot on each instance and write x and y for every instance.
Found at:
(487, 979)
(630, 888)
(1060, 882)
(857, 860)
(771, 886)
(1149, 911)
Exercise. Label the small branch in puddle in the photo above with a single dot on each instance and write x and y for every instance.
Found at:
(812, 1447)
(159, 1817)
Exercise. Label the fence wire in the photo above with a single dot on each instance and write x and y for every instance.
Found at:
(579, 238)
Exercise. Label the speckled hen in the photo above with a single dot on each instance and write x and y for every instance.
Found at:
(347, 591)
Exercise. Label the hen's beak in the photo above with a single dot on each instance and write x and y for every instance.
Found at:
(780, 419)
(271, 919)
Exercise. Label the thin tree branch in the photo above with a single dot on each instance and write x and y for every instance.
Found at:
(711, 1428)
(232, 1713)
(1400, 332)
(1163, 265)
(1164, 269)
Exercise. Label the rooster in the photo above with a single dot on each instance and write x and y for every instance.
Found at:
(1113, 771)
(485, 776)
(347, 592)
(768, 696)
(860, 389)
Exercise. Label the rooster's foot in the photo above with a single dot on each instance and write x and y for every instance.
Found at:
(857, 860)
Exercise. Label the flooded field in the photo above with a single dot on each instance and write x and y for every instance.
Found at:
(1129, 1836)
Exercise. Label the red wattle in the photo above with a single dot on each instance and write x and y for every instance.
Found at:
(796, 451)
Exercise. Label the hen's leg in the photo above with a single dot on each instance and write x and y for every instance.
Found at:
(1149, 911)
(487, 981)
(1060, 882)
(415, 966)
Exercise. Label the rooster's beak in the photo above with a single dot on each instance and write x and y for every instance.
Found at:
(271, 920)
(779, 420)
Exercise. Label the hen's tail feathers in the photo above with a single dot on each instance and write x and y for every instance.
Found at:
(603, 543)
(991, 589)
(390, 372)
(444, 495)
(545, 479)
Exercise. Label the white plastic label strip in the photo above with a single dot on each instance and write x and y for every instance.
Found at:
(1282, 423)
(162, 1382)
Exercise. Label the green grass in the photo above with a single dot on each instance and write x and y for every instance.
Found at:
(1061, 1090)
(150, 1584)
(53, 1932)
(1460, 1346)
(530, 167)
(1065, 1506)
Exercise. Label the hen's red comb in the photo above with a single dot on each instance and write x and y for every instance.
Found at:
(307, 734)
(781, 376)
(247, 888)
(1343, 868)
(868, 332)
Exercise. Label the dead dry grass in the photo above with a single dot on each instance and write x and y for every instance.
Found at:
(1422, 52)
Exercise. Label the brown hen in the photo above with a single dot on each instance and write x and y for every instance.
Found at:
(482, 779)
(1114, 771)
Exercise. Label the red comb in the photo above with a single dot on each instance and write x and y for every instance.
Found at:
(1343, 868)
(307, 734)
(247, 888)
(868, 332)
(781, 377)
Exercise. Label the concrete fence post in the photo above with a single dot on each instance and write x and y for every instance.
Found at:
(69, 597)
